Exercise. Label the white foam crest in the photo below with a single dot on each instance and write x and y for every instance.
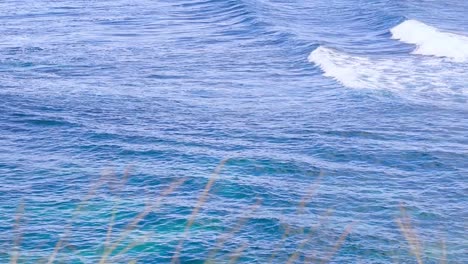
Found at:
(432, 41)
(403, 74)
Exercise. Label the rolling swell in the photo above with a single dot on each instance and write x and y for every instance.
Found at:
(233, 18)
(406, 75)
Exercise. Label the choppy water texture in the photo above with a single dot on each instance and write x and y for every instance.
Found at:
(372, 93)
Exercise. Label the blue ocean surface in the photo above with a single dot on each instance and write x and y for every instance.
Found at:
(339, 130)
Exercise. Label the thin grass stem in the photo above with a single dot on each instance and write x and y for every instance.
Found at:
(200, 202)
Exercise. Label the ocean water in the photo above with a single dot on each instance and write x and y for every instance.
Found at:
(357, 108)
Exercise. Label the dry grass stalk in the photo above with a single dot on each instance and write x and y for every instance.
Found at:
(109, 229)
(239, 224)
(132, 245)
(280, 244)
(312, 191)
(91, 193)
(340, 242)
(311, 258)
(300, 210)
(77, 210)
(297, 254)
(395, 258)
(130, 227)
(126, 175)
(123, 181)
(17, 241)
(406, 228)
(444, 253)
(200, 202)
(237, 254)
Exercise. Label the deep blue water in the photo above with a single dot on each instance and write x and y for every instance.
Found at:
(372, 94)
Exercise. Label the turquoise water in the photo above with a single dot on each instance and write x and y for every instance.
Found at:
(370, 94)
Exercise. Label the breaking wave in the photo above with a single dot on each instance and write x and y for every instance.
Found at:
(432, 41)
(413, 74)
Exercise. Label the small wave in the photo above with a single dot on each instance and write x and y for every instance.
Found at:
(432, 41)
(427, 75)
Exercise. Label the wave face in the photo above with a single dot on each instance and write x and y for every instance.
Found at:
(432, 41)
(442, 69)
(403, 74)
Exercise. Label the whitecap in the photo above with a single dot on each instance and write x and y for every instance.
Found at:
(432, 41)
(408, 74)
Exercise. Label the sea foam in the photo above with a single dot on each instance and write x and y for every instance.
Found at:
(432, 41)
(401, 73)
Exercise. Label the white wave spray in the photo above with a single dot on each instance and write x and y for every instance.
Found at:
(404, 74)
(432, 41)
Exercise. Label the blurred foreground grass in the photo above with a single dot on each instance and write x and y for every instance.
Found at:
(118, 242)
